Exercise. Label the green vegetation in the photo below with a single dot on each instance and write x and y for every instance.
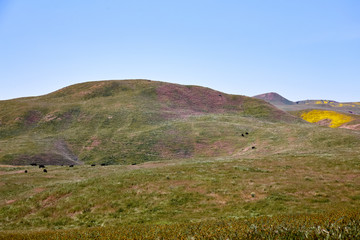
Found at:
(176, 191)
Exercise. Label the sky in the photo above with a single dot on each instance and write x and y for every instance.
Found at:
(300, 49)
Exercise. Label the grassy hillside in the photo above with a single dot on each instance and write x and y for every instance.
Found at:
(300, 181)
(128, 121)
(294, 168)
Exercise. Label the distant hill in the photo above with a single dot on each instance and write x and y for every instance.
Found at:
(129, 121)
(324, 112)
(274, 98)
(345, 107)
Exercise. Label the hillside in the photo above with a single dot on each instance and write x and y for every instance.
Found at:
(296, 168)
(129, 121)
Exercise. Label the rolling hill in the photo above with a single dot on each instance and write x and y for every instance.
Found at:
(128, 121)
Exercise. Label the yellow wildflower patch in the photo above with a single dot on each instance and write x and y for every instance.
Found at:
(337, 119)
(322, 102)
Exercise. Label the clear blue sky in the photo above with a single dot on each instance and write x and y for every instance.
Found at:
(301, 49)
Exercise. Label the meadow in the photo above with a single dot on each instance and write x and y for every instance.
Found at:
(308, 195)
(339, 225)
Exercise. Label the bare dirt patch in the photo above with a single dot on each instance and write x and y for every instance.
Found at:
(7, 166)
(351, 127)
(246, 149)
(11, 172)
(49, 117)
(10, 201)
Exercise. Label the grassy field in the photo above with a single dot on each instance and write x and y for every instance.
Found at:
(218, 197)
(339, 225)
(179, 191)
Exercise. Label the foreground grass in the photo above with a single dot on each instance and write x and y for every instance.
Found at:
(336, 225)
(178, 191)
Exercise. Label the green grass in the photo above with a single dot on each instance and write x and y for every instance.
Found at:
(176, 191)
(335, 225)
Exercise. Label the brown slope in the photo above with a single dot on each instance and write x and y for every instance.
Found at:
(274, 98)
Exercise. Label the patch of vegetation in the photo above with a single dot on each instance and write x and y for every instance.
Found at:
(337, 119)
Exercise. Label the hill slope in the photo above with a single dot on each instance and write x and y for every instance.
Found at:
(127, 121)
